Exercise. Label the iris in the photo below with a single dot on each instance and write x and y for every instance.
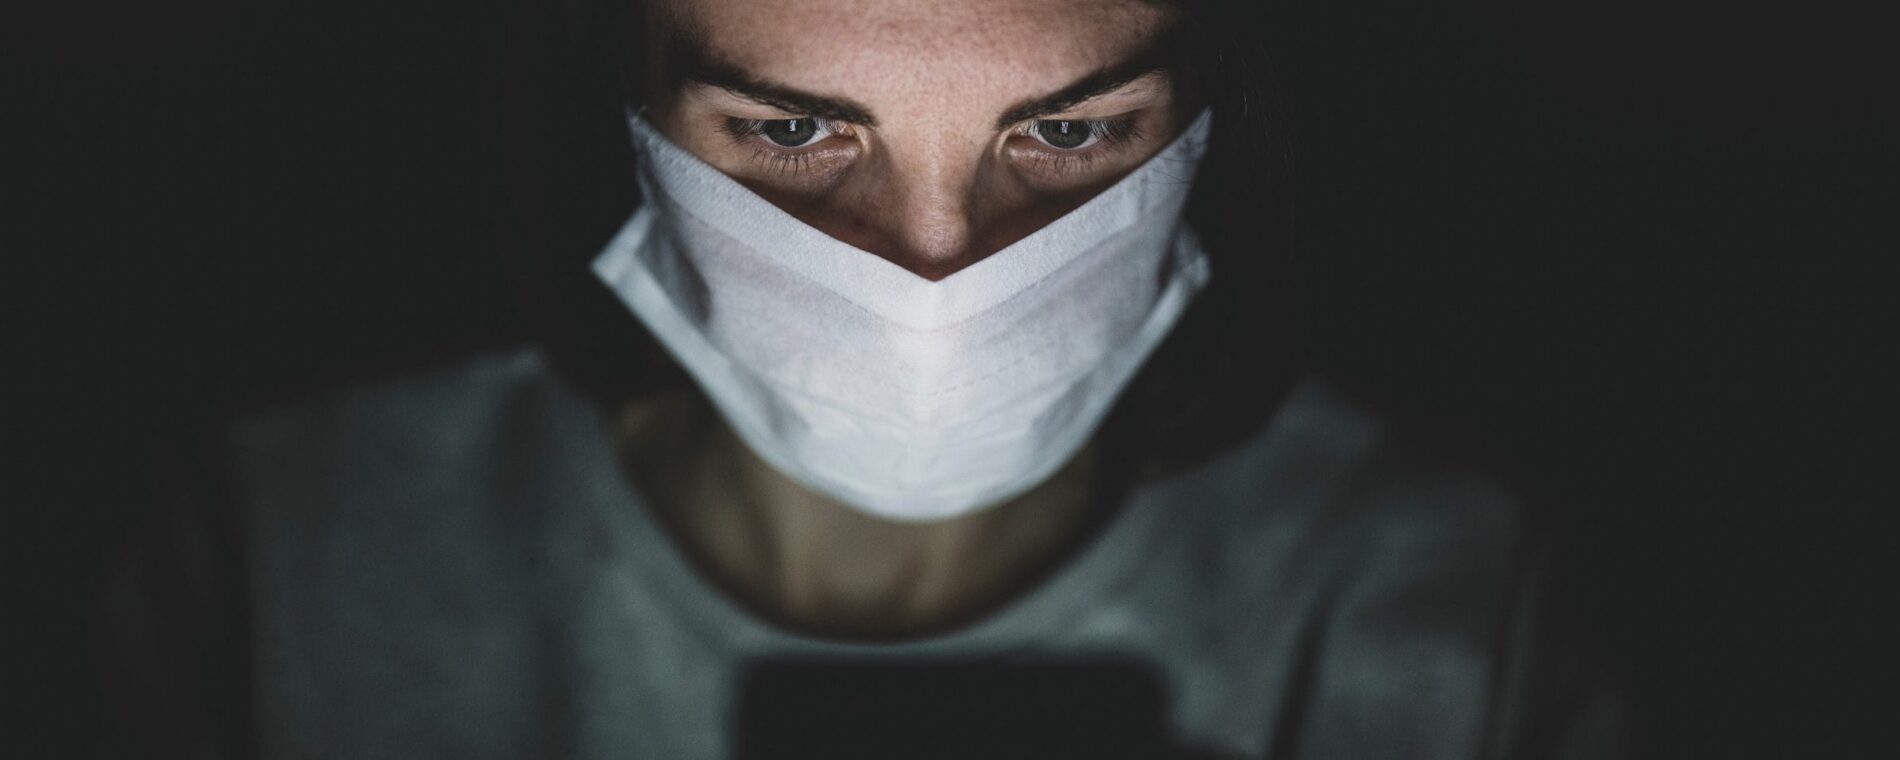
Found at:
(1063, 134)
(790, 133)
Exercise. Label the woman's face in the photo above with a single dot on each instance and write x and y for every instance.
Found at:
(930, 132)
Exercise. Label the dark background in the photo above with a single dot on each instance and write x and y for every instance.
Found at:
(1632, 256)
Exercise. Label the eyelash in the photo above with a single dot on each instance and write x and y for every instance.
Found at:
(1105, 132)
(750, 133)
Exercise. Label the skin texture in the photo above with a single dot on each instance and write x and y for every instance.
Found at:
(938, 167)
(936, 183)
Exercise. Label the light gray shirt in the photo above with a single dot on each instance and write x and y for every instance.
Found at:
(451, 564)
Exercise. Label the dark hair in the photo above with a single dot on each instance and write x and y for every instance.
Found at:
(1229, 362)
(1226, 365)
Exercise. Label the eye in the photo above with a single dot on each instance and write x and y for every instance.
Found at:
(791, 133)
(1077, 134)
(784, 133)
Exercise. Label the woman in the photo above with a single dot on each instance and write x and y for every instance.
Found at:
(979, 456)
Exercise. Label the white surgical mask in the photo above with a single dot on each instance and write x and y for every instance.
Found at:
(905, 398)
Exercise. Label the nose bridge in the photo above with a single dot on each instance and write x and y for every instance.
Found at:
(932, 214)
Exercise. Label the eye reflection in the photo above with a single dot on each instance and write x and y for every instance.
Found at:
(790, 133)
(1067, 135)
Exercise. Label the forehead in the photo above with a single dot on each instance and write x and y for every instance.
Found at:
(861, 48)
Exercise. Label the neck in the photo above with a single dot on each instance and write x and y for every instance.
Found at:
(807, 562)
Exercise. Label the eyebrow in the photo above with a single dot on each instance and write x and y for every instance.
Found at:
(693, 61)
(1158, 55)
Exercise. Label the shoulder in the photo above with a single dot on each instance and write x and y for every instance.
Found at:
(1401, 569)
(430, 401)
(1333, 464)
(1411, 531)
(1360, 532)
(402, 537)
(453, 415)
(408, 400)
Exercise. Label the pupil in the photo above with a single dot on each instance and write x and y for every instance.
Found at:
(790, 133)
(1063, 134)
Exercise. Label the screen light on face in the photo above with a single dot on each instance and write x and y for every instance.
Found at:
(908, 135)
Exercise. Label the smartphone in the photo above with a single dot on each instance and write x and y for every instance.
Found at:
(951, 709)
